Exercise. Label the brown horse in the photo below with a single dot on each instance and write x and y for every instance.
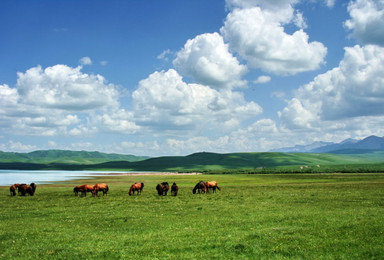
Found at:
(138, 187)
(162, 188)
(83, 189)
(211, 185)
(200, 188)
(100, 187)
(13, 188)
(174, 189)
(25, 188)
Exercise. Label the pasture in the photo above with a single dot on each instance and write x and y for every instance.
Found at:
(271, 216)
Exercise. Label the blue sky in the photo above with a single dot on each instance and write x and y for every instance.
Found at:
(178, 77)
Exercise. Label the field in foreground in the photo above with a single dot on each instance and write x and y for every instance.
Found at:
(301, 216)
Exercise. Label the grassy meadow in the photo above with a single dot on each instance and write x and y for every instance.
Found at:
(269, 216)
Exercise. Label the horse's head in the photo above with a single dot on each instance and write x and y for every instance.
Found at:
(94, 190)
(33, 186)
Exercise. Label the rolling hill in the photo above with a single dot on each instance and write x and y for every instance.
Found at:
(66, 157)
(194, 162)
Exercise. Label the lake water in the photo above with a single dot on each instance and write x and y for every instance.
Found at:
(9, 177)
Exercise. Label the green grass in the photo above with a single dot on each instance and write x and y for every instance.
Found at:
(272, 216)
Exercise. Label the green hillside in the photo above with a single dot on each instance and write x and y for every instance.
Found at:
(66, 157)
(214, 161)
(203, 162)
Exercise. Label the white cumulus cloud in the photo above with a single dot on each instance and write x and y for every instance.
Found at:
(165, 101)
(258, 36)
(207, 60)
(66, 88)
(367, 21)
(354, 89)
(57, 100)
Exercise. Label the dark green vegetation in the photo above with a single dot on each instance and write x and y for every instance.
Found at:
(206, 162)
(299, 216)
(65, 157)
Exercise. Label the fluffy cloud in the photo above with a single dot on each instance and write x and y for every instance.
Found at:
(258, 36)
(262, 79)
(355, 89)
(367, 21)
(64, 87)
(119, 121)
(85, 61)
(56, 100)
(165, 101)
(206, 58)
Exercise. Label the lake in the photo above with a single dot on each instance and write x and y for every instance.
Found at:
(9, 177)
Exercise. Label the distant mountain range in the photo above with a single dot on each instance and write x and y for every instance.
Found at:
(348, 146)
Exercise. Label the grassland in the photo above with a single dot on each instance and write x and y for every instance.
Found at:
(271, 216)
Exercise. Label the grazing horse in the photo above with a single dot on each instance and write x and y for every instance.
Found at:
(200, 188)
(83, 189)
(25, 188)
(136, 187)
(211, 185)
(162, 188)
(13, 188)
(174, 189)
(100, 187)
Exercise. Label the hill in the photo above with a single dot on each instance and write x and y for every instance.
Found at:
(208, 162)
(65, 157)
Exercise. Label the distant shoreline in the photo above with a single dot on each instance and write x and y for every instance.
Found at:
(9, 177)
(145, 173)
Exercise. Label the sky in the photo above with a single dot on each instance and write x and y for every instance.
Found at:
(167, 77)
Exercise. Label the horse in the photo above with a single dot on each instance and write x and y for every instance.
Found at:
(199, 187)
(174, 189)
(100, 187)
(162, 188)
(13, 188)
(25, 188)
(211, 185)
(136, 187)
(83, 189)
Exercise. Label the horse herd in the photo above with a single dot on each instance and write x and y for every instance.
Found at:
(161, 188)
(22, 189)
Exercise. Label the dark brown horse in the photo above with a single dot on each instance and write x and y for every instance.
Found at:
(138, 187)
(13, 189)
(174, 189)
(100, 187)
(211, 186)
(83, 189)
(162, 188)
(25, 188)
(199, 187)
